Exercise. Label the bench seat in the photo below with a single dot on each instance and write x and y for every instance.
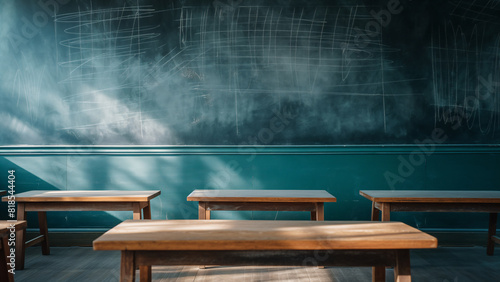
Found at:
(262, 242)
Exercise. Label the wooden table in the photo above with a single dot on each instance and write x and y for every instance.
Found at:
(91, 200)
(437, 201)
(263, 242)
(262, 200)
(6, 228)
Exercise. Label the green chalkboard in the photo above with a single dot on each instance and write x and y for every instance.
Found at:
(231, 72)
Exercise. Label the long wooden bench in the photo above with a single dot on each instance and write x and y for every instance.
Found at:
(387, 201)
(41, 201)
(261, 200)
(262, 242)
(8, 260)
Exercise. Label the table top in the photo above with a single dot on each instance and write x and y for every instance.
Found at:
(431, 196)
(261, 235)
(261, 196)
(85, 196)
(3, 192)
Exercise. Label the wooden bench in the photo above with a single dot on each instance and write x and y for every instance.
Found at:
(261, 200)
(263, 242)
(387, 201)
(9, 228)
(92, 200)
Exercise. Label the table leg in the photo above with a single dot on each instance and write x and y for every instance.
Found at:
(375, 212)
(127, 268)
(20, 235)
(378, 274)
(319, 215)
(145, 273)
(4, 267)
(492, 228)
(42, 222)
(202, 214)
(137, 211)
(402, 271)
(147, 211)
(313, 216)
(320, 211)
(386, 211)
(203, 211)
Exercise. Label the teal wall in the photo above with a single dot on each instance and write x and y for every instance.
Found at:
(176, 171)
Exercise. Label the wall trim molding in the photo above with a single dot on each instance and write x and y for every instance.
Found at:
(147, 150)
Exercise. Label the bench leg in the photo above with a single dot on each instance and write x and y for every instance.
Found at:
(313, 215)
(386, 211)
(127, 268)
(137, 211)
(147, 211)
(145, 273)
(20, 235)
(203, 211)
(378, 274)
(4, 267)
(320, 211)
(492, 228)
(375, 213)
(402, 271)
(42, 222)
(319, 215)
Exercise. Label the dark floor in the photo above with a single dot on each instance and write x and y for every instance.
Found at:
(445, 264)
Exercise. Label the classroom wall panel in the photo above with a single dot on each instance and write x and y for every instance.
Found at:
(176, 171)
